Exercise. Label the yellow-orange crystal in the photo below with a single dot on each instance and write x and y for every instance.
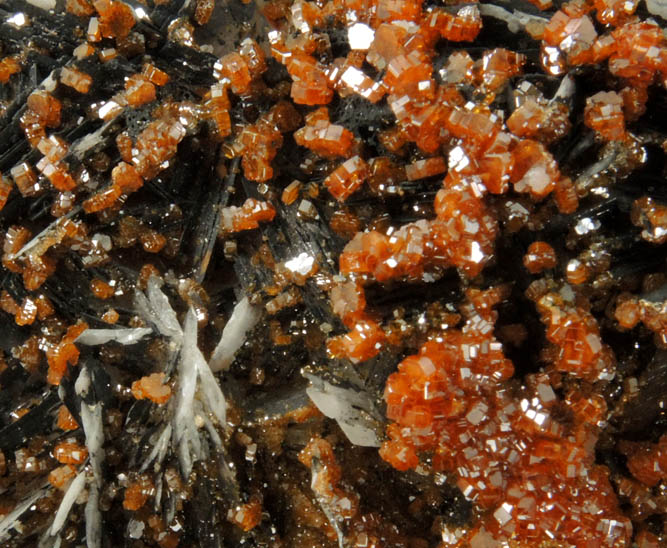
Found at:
(70, 453)
(46, 106)
(347, 178)
(248, 216)
(9, 65)
(153, 388)
(65, 420)
(64, 353)
(604, 114)
(138, 492)
(139, 90)
(116, 18)
(538, 257)
(60, 477)
(246, 516)
(323, 137)
(101, 289)
(76, 79)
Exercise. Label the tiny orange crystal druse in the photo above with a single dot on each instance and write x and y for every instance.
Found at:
(647, 462)
(630, 311)
(652, 217)
(318, 455)
(576, 334)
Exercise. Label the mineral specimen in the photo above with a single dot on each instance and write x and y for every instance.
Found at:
(306, 274)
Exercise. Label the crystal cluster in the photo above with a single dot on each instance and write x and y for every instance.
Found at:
(579, 349)
(652, 218)
(631, 310)
(533, 474)
(368, 274)
(64, 353)
(246, 217)
(647, 462)
(152, 387)
(323, 137)
(462, 235)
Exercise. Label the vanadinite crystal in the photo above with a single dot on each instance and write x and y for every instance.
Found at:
(152, 387)
(539, 256)
(520, 462)
(334, 273)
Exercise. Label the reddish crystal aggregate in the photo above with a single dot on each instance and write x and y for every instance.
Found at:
(522, 451)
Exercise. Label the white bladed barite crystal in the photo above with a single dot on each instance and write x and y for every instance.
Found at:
(197, 390)
(73, 491)
(129, 335)
(352, 410)
(244, 317)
